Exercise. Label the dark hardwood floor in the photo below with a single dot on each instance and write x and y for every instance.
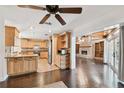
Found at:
(89, 73)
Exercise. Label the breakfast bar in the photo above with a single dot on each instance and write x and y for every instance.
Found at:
(21, 64)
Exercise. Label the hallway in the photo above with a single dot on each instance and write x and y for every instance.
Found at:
(89, 74)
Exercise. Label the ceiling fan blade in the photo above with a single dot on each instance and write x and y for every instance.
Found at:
(44, 19)
(32, 7)
(59, 18)
(76, 10)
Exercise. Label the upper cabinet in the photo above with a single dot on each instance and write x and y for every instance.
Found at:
(11, 36)
(24, 43)
(64, 40)
(30, 43)
(44, 44)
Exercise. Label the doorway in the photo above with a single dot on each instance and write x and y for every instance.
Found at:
(114, 53)
(99, 49)
(45, 60)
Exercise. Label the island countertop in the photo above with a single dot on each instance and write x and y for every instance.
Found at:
(21, 56)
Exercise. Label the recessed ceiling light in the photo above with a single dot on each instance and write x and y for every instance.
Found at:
(31, 28)
(50, 31)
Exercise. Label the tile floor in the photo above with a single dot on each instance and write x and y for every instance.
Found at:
(43, 66)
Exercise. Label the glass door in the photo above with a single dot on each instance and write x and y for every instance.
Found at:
(111, 52)
(116, 53)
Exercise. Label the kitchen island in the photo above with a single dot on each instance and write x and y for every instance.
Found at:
(21, 64)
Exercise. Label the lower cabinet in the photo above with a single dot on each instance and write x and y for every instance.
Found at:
(10, 66)
(44, 55)
(17, 66)
(63, 61)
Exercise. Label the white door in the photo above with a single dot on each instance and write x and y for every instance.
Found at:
(116, 53)
(111, 52)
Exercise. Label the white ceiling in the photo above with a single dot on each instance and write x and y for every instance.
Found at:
(93, 18)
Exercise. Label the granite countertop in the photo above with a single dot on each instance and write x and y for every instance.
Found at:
(32, 50)
(21, 56)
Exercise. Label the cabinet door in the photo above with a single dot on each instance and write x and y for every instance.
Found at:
(44, 44)
(26, 65)
(10, 66)
(9, 36)
(58, 43)
(24, 43)
(30, 65)
(20, 65)
(37, 43)
(30, 43)
(33, 65)
(44, 55)
(17, 66)
(58, 60)
(14, 66)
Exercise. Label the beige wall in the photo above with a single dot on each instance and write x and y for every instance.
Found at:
(3, 69)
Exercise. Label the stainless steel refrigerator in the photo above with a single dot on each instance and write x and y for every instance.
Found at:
(50, 51)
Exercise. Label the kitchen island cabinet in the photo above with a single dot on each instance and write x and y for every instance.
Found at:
(22, 64)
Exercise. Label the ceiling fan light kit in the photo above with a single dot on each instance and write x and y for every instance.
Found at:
(54, 9)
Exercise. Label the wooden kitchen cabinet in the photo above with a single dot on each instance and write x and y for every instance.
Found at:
(38, 43)
(63, 61)
(14, 66)
(57, 61)
(17, 66)
(44, 55)
(64, 40)
(24, 43)
(11, 33)
(10, 66)
(61, 41)
(30, 43)
(44, 44)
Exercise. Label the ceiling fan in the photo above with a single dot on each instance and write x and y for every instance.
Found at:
(54, 9)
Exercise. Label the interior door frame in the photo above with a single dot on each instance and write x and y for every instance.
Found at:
(113, 66)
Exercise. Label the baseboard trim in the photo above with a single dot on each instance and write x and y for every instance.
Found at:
(3, 79)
